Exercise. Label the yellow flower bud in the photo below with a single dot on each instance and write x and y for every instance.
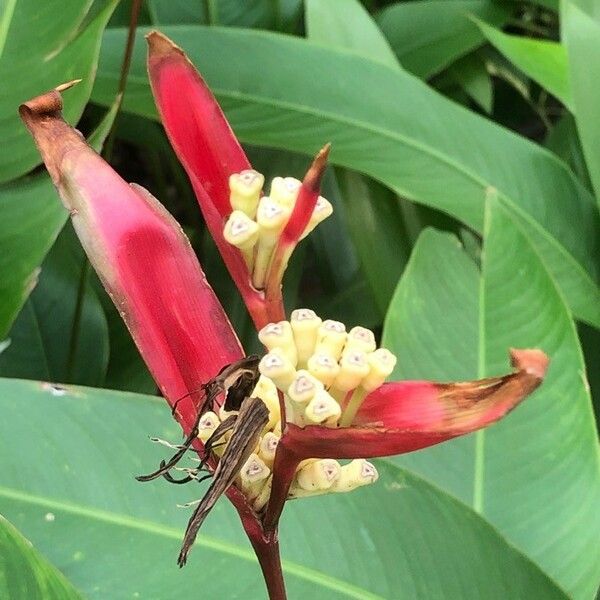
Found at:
(331, 337)
(353, 368)
(245, 188)
(324, 367)
(207, 424)
(304, 387)
(318, 475)
(253, 476)
(276, 366)
(284, 190)
(240, 230)
(271, 217)
(263, 496)
(279, 335)
(265, 390)
(305, 323)
(355, 474)
(382, 363)
(267, 448)
(322, 409)
(322, 210)
(361, 338)
(254, 470)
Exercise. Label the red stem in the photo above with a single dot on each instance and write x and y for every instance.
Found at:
(267, 552)
(284, 469)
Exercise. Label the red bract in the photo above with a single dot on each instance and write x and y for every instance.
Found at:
(152, 275)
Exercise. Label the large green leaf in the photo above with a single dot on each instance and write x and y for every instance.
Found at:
(32, 217)
(581, 36)
(116, 538)
(61, 334)
(355, 31)
(542, 60)
(428, 35)
(387, 124)
(39, 52)
(24, 572)
(535, 475)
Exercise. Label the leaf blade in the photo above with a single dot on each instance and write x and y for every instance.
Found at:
(25, 573)
(449, 322)
(128, 527)
(581, 35)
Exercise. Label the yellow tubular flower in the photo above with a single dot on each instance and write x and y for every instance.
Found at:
(255, 224)
(244, 191)
(323, 373)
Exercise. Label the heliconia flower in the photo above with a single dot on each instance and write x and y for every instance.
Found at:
(321, 391)
(255, 235)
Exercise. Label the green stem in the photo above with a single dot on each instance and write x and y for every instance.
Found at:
(351, 409)
(211, 12)
(136, 6)
(277, 17)
(76, 326)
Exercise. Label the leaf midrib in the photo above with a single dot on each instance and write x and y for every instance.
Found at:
(291, 568)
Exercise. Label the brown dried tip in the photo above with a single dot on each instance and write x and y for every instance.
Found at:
(313, 176)
(160, 45)
(531, 361)
(53, 136)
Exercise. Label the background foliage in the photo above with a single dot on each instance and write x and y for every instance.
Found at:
(466, 183)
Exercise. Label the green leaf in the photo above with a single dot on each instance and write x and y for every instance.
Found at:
(355, 31)
(389, 125)
(117, 538)
(172, 12)
(564, 141)
(97, 138)
(535, 475)
(25, 574)
(32, 217)
(61, 334)
(542, 60)
(549, 4)
(471, 74)
(353, 304)
(37, 52)
(250, 13)
(373, 213)
(429, 35)
(590, 7)
(581, 36)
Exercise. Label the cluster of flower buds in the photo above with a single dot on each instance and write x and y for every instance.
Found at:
(324, 373)
(257, 221)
